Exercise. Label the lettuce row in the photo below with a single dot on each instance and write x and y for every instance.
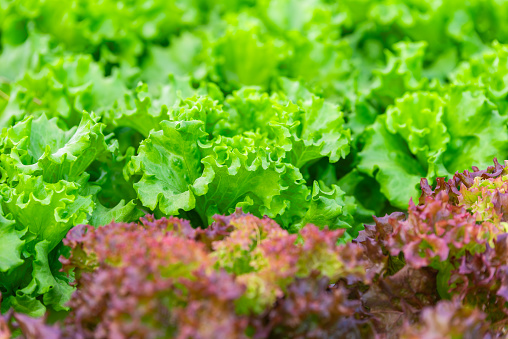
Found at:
(363, 57)
(231, 273)
(405, 275)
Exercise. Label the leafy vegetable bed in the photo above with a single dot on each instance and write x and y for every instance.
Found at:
(254, 139)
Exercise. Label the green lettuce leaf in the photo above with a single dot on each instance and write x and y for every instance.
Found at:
(10, 252)
(43, 212)
(56, 291)
(427, 134)
(47, 210)
(248, 179)
(144, 108)
(245, 40)
(386, 157)
(170, 163)
(16, 59)
(403, 72)
(328, 207)
(41, 147)
(477, 128)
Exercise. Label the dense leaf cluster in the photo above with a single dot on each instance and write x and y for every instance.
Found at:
(163, 278)
(437, 69)
(439, 271)
(296, 112)
(191, 163)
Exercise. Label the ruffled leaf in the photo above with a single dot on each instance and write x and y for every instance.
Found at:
(170, 163)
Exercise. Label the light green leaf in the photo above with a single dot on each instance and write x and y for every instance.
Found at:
(169, 162)
(48, 210)
(16, 59)
(40, 146)
(318, 132)
(403, 72)
(478, 132)
(327, 207)
(120, 213)
(387, 158)
(249, 180)
(56, 292)
(11, 244)
(417, 117)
